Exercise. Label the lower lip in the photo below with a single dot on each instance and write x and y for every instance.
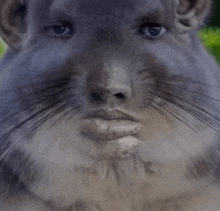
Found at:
(100, 129)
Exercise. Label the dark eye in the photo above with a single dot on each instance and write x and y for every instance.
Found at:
(154, 30)
(62, 29)
(150, 30)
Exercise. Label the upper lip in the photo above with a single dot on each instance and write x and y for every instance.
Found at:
(110, 114)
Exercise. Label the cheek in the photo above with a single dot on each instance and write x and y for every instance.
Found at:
(58, 143)
(49, 58)
(46, 60)
(166, 139)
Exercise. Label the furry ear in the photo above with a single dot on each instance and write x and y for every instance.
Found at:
(191, 14)
(12, 24)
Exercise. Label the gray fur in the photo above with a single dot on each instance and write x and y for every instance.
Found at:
(108, 66)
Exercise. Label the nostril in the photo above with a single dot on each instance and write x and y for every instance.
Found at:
(120, 96)
(97, 96)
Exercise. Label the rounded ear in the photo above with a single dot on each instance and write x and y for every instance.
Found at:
(12, 22)
(191, 14)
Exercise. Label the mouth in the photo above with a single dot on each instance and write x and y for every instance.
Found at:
(116, 133)
(107, 125)
(107, 130)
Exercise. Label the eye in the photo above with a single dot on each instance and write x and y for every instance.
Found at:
(151, 30)
(62, 29)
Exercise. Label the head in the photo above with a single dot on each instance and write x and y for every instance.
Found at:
(100, 93)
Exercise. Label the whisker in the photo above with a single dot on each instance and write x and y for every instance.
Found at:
(193, 109)
(184, 90)
(176, 116)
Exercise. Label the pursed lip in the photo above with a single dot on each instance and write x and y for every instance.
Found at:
(109, 124)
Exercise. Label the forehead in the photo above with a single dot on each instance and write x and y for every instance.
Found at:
(92, 8)
(105, 6)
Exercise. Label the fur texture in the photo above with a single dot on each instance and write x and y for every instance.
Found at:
(108, 105)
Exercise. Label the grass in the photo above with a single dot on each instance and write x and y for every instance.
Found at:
(209, 36)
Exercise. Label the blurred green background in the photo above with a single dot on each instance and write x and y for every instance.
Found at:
(214, 19)
(2, 47)
(210, 36)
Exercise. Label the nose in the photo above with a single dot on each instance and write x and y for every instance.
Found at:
(111, 84)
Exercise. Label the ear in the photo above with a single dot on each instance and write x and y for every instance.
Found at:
(12, 22)
(191, 14)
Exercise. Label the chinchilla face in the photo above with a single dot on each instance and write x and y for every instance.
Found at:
(108, 105)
